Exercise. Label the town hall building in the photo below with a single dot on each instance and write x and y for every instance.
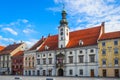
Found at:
(64, 54)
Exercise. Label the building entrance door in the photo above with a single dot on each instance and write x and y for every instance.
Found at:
(116, 72)
(104, 73)
(60, 72)
(92, 72)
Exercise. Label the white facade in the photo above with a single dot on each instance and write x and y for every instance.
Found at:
(29, 63)
(76, 66)
(63, 36)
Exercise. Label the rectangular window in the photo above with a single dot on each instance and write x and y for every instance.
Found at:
(81, 71)
(116, 61)
(92, 58)
(81, 58)
(103, 43)
(38, 61)
(103, 51)
(115, 42)
(70, 59)
(103, 62)
(116, 50)
(44, 61)
(44, 72)
(50, 60)
(71, 72)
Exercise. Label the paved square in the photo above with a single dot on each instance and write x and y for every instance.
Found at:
(50, 78)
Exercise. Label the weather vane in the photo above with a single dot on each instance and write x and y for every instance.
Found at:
(63, 6)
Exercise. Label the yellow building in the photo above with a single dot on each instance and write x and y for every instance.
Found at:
(109, 54)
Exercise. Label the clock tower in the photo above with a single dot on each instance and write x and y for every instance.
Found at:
(63, 31)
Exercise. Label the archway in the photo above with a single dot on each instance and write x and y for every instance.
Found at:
(60, 72)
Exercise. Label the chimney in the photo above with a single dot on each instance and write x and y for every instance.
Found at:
(42, 37)
(14, 43)
(21, 41)
(49, 35)
(103, 27)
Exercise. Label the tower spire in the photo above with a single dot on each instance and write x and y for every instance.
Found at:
(63, 20)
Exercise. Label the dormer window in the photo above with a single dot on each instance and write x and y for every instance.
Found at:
(46, 47)
(80, 42)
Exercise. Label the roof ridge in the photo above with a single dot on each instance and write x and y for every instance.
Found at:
(85, 29)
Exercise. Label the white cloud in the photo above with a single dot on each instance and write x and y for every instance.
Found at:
(31, 42)
(77, 28)
(25, 21)
(10, 30)
(86, 13)
(28, 31)
(15, 23)
(7, 39)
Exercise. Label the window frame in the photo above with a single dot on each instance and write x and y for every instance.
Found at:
(70, 59)
(70, 72)
(81, 71)
(92, 58)
(116, 51)
(103, 43)
(115, 42)
(103, 52)
(81, 58)
(115, 61)
(104, 62)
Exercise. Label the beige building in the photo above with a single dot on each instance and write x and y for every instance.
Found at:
(6, 54)
(109, 54)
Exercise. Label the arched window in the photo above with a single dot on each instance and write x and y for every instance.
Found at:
(61, 33)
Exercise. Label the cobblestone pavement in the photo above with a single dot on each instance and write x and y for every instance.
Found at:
(51, 78)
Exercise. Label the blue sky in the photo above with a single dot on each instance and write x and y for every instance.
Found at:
(28, 20)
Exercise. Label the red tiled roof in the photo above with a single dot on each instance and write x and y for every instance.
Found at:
(20, 53)
(9, 48)
(111, 35)
(34, 47)
(1, 48)
(88, 36)
(51, 42)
